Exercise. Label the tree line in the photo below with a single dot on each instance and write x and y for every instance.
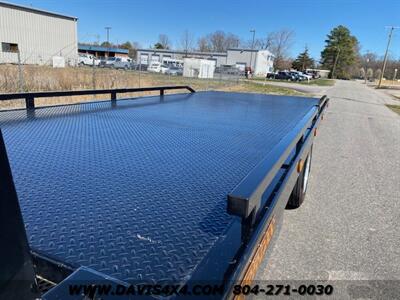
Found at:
(278, 42)
(342, 56)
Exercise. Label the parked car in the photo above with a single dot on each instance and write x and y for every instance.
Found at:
(175, 71)
(117, 63)
(284, 75)
(306, 76)
(300, 76)
(87, 60)
(297, 76)
(314, 74)
(140, 67)
(271, 75)
(157, 68)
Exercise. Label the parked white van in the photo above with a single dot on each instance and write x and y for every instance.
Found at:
(157, 67)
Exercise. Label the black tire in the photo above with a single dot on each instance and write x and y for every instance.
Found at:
(299, 191)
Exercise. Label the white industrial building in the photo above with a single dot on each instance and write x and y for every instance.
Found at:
(260, 61)
(198, 68)
(35, 36)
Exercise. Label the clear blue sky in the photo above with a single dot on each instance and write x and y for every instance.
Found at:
(142, 21)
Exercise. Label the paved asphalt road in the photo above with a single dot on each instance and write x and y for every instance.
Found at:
(349, 225)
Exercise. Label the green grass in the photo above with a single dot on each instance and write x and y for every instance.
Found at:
(224, 85)
(395, 108)
(319, 82)
(250, 87)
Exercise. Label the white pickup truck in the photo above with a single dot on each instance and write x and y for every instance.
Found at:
(117, 63)
(88, 60)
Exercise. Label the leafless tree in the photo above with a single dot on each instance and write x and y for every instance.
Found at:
(279, 43)
(378, 73)
(164, 41)
(362, 73)
(231, 41)
(204, 44)
(136, 45)
(373, 63)
(219, 41)
(370, 73)
(186, 41)
(259, 43)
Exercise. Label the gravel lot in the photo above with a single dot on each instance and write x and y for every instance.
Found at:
(349, 225)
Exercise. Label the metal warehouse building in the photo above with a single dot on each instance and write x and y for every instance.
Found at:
(36, 36)
(148, 56)
(101, 52)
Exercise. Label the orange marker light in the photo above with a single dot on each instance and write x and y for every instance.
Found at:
(300, 165)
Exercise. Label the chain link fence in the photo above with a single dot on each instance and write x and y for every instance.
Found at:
(17, 76)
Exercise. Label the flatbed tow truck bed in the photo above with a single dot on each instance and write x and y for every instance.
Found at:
(165, 189)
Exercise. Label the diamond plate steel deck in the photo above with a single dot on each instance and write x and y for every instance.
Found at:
(139, 191)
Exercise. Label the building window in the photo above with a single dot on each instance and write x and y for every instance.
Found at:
(9, 47)
(155, 58)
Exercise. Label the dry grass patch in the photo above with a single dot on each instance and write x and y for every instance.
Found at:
(43, 78)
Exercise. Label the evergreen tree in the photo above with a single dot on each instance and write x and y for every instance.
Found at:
(340, 53)
(126, 45)
(158, 46)
(106, 44)
(303, 61)
(130, 47)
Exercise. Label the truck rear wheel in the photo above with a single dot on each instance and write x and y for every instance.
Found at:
(300, 189)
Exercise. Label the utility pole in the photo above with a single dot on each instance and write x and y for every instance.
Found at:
(252, 47)
(108, 33)
(366, 70)
(107, 28)
(386, 53)
(335, 63)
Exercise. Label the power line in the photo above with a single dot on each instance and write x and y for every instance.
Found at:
(386, 53)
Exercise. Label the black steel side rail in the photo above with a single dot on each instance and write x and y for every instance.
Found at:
(273, 213)
(278, 202)
(246, 196)
(30, 97)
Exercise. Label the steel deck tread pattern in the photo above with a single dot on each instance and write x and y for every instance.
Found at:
(139, 191)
